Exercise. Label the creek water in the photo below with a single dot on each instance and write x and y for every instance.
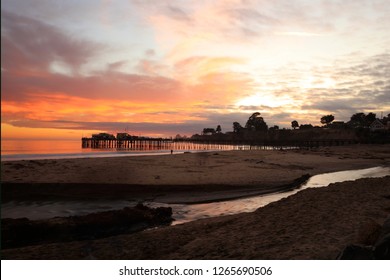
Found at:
(186, 213)
(182, 213)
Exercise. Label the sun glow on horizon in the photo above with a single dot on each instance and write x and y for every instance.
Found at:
(263, 99)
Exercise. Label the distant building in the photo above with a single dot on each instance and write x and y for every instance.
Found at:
(377, 125)
(123, 136)
(208, 131)
(338, 125)
(305, 126)
(103, 136)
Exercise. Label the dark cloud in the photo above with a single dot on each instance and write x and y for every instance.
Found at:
(334, 105)
(177, 13)
(247, 15)
(376, 67)
(149, 67)
(282, 119)
(188, 127)
(378, 83)
(103, 85)
(383, 97)
(144, 128)
(62, 11)
(115, 66)
(249, 32)
(150, 52)
(171, 9)
(31, 45)
(361, 87)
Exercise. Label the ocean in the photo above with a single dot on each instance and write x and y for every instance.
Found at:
(56, 149)
(12, 150)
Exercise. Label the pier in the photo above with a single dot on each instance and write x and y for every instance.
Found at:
(140, 144)
(127, 144)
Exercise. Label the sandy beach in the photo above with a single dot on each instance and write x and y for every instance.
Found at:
(181, 178)
(312, 224)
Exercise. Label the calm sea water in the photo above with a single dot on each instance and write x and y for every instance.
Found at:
(28, 147)
(56, 149)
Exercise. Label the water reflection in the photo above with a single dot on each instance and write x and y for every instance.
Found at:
(182, 213)
(186, 213)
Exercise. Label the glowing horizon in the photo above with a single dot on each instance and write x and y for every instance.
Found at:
(160, 69)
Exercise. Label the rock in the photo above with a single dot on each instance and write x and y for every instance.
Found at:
(382, 245)
(382, 248)
(24, 232)
(369, 232)
(356, 252)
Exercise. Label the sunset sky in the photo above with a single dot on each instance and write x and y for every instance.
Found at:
(161, 68)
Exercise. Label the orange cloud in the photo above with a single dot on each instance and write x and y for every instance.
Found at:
(193, 68)
(210, 61)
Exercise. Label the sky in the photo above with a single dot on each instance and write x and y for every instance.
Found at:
(161, 68)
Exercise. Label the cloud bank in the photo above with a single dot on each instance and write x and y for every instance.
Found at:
(163, 68)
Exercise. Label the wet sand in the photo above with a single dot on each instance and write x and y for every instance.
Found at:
(312, 224)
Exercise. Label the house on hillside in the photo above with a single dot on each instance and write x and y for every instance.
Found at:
(377, 125)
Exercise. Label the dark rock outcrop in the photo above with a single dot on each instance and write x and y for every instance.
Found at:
(23, 232)
(382, 245)
(379, 250)
(356, 252)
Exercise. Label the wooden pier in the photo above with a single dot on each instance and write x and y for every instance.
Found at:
(127, 144)
(170, 144)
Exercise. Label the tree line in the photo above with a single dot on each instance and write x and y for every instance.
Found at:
(257, 123)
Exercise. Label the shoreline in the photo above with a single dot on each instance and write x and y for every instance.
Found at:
(171, 194)
(181, 178)
(83, 155)
(285, 229)
(315, 223)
